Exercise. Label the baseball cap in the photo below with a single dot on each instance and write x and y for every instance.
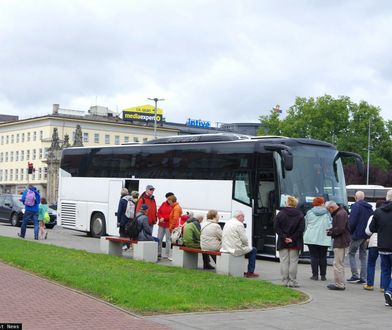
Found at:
(150, 187)
(144, 207)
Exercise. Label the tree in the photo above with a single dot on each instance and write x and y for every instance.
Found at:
(340, 122)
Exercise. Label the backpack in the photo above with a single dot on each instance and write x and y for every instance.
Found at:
(30, 198)
(46, 217)
(176, 236)
(134, 228)
(130, 210)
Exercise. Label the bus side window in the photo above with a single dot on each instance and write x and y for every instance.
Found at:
(242, 187)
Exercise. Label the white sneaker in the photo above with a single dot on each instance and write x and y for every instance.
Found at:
(170, 258)
(124, 248)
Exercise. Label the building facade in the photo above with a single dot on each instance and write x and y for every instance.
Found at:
(30, 140)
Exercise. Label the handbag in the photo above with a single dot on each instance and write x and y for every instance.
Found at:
(176, 236)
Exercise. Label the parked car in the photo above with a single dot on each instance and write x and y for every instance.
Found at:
(12, 210)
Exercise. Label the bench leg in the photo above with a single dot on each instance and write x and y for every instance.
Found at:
(109, 247)
(228, 264)
(184, 259)
(146, 251)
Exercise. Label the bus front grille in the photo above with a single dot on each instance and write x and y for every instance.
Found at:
(68, 214)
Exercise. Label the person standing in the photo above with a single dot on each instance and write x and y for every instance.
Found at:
(289, 226)
(382, 225)
(122, 219)
(163, 223)
(42, 214)
(341, 240)
(235, 242)
(317, 221)
(31, 200)
(372, 255)
(358, 219)
(148, 199)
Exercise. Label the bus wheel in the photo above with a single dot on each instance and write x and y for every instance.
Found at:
(97, 226)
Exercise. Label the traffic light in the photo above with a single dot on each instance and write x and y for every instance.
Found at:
(30, 168)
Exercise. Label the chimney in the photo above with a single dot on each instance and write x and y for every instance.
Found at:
(56, 109)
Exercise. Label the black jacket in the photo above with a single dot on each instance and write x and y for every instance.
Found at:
(382, 225)
(290, 223)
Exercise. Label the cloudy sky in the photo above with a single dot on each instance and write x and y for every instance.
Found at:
(223, 61)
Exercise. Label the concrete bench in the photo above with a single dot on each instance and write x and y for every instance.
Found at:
(142, 250)
(226, 263)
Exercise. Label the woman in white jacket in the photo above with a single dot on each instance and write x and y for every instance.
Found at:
(211, 233)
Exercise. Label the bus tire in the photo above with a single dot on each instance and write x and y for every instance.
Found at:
(98, 225)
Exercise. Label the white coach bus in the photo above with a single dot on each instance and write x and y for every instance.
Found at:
(225, 172)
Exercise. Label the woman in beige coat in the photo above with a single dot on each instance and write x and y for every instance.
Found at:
(211, 233)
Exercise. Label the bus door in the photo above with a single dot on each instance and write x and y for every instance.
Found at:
(264, 238)
(113, 199)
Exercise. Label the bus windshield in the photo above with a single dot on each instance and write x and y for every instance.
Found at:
(312, 175)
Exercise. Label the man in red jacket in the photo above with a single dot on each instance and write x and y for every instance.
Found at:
(163, 223)
(148, 198)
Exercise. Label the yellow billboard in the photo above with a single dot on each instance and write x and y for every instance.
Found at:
(143, 113)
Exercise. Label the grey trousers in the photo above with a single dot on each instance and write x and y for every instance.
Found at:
(338, 267)
(162, 232)
(360, 244)
(288, 264)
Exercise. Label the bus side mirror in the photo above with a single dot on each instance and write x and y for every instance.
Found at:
(358, 160)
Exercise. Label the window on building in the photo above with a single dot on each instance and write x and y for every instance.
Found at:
(27, 154)
(21, 174)
(45, 173)
(17, 156)
(6, 157)
(96, 138)
(41, 135)
(46, 150)
(12, 138)
(116, 139)
(135, 139)
(33, 176)
(34, 154)
(22, 155)
(7, 139)
(11, 156)
(107, 138)
(40, 173)
(6, 175)
(1, 175)
(2, 139)
(40, 153)
(11, 174)
(16, 174)
(85, 137)
(28, 136)
(23, 137)
(17, 138)
(1, 157)
(126, 139)
(34, 136)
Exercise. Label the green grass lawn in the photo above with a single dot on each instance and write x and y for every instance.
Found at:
(141, 287)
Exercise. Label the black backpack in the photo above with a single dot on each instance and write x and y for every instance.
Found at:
(134, 228)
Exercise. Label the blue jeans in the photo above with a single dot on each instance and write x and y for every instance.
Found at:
(371, 266)
(352, 250)
(386, 267)
(33, 216)
(252, 260)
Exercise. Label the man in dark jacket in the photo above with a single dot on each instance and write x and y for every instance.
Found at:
(382, 225)
(341, 240)
(31, 211)
(358, 219)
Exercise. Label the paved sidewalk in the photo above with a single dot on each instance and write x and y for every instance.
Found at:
(40, 304)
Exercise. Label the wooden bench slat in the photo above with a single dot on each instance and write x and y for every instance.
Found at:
(188, 249)
(121, 239)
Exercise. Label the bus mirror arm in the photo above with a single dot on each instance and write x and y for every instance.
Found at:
(358, 161)
(284, 152)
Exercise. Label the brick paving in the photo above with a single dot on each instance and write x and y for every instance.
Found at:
(40, 304)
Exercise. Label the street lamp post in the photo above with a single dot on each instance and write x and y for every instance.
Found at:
(368, 155)
(155, 113)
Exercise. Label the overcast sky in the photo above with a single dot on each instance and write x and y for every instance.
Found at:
(222, 61)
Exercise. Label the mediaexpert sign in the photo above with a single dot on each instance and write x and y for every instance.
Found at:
(143, 113)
